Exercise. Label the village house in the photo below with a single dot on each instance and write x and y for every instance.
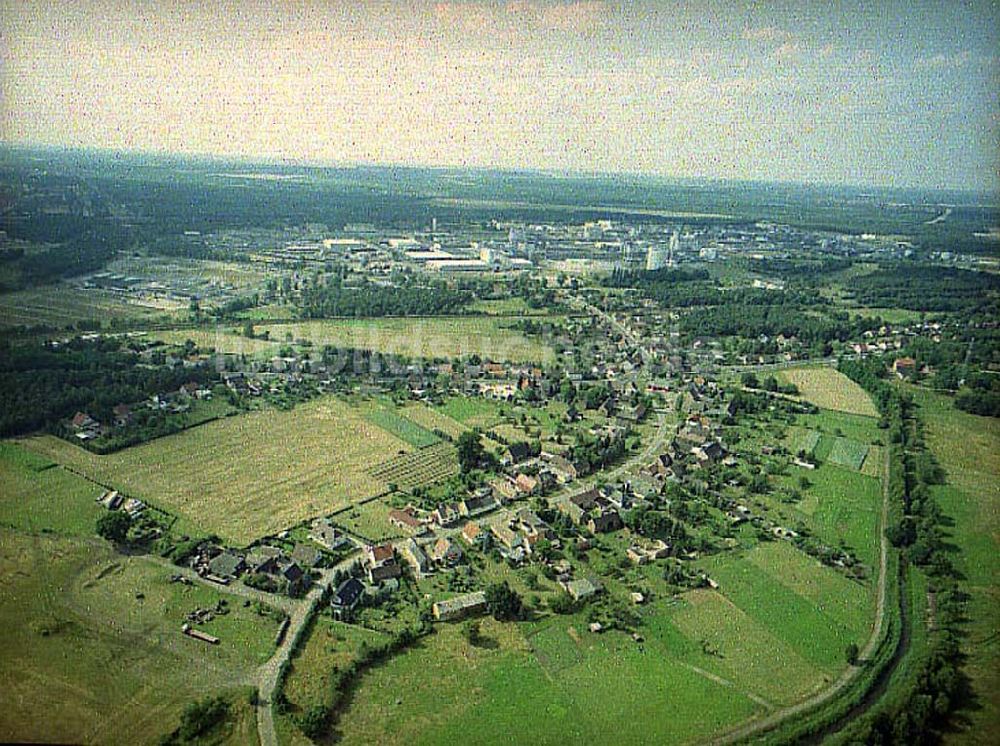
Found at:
(447, 514)
(510, 543)
(446, 552)
(479, 504)
(474, 536)
(122, 414)
(324, 534)
(293, 574)
(263, 559)
(225, 567)
(346, 598)
(533, 526)
(516, 453)
(605, 522)
(306, 556)
(564, 469)
(709, 452)
(415, 557)
(504, 489)
(526, 484)
(642, 552)
(579, 505)
(86, 427)
(904, 367)
(406, 518)
(112, 500)
(459, 607)
(580, 588)
(380, 563)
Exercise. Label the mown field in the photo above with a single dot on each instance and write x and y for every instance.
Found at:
(433, 419)
(62, 305)
(968, 447)
(92, 650)
(488, 337)
(39, 496)
(829, 389)
(401, 426)
(247, 476)
(774, 632)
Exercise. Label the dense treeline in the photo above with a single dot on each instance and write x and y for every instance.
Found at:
(926, 288)
(621, 278)
(938, 687)
(789, 267)
(334, 299)
(958, 362)
(39, 386)
(87, 252)
(753, 320)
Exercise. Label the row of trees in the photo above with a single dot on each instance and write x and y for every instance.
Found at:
(938, 688)
(407, 299)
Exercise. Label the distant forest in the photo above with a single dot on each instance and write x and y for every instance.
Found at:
(923, 288)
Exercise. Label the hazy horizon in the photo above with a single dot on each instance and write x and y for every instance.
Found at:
(903, 95)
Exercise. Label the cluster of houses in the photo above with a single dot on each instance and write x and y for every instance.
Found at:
(280, 569)
(86, 428)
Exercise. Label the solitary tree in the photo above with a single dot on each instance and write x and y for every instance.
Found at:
(114, 526)
(504, 603)
(852, 654)
(470, 451)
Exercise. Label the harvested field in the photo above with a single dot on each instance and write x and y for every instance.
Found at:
(830, 389)
(247, 476)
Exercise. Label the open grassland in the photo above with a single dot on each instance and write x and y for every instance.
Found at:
(745, 649)
(842, 425)
(889, 315)
(847, 602)
(60, 305)
(801, 440)
(36, 495)
(841, 505)
(239, 276)
(247, 476)
(329, 644)
(830, 389)
(472, 411)
(873, 462)
(773, 633)
(758, 589)
(86, 660)
(968, 447)
(370, 521)
(443, 337)
(445, 691)
(505, 307)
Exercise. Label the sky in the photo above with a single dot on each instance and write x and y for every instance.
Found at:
(868, 93)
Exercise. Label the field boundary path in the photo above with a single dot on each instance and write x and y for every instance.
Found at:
(270, 673)
(779, 716)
